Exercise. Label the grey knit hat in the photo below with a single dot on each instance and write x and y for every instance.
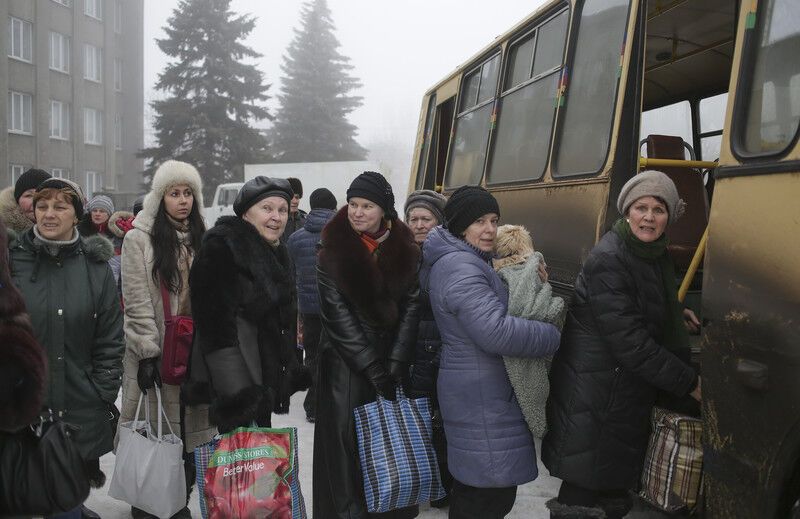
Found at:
(651, 183)
(427, 199)
(101, 202)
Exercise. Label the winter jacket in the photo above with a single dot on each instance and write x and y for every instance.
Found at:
(144, 334)
(603, 380)
(243, 358)
(489, 444)
(368, 308)
(295, 222)
(118, 225)
(10, 213)
(73, 304)
(427, 350)
(302, 247)
(530, 298)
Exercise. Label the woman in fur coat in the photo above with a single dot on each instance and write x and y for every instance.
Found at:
(16, 202)
(367, 279)
(243, 299)
(159, 250)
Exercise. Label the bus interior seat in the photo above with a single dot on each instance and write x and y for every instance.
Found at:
(684, 235)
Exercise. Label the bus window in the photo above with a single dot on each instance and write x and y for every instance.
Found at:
(527, 105)
(585, 131)
(472, 125)
(770, 109)
(426, 141)
(675, 119)
(712, 119)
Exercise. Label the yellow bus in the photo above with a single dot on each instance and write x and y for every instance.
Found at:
(556, 114)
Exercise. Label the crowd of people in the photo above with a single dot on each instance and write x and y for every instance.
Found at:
(350, 303)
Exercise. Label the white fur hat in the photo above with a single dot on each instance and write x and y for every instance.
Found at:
(168, 174)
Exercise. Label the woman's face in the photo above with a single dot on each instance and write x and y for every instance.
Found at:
(99, 216)
(55, 218)
(178, 201)
(269, 217)
(364, 215)
(26, 204)
(421, 221)
(483, 232)
(648, 218)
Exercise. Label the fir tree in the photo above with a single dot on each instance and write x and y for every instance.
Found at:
(311, 124)
(212, 96)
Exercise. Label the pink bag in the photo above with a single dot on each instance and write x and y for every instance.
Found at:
(178, 335)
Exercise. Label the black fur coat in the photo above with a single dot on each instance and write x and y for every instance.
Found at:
(243, 305)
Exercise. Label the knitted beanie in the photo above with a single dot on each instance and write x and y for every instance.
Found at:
(651, 183)
(322, 199)
(101, 202)
(297, 186)
(374, 187)
(427, 199)
(73, 190)
(29, 180)
(467, 204)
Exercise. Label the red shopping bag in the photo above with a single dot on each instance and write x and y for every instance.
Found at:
(253, 473)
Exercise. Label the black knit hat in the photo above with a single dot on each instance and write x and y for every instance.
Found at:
(259, 188)
(322, 199)
(297, 186)
(467, 204)
(29, 180)
(374, 187)
(76, 195)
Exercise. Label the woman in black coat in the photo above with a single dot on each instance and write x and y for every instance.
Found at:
(243, 301)
(367, 278)
(624, 340)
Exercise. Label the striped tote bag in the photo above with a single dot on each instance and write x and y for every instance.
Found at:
(395, 449)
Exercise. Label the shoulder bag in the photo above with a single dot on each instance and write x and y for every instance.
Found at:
(178, 334)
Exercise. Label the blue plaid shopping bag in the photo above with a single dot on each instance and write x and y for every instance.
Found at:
(396, 453)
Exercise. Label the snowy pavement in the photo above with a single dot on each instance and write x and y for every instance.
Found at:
(530, 502)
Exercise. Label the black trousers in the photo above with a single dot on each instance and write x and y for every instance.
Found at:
(312, 327)
(615, 503)
(468, 502)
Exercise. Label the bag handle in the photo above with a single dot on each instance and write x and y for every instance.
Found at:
(165, 300)
(162, 412)
(399, 394)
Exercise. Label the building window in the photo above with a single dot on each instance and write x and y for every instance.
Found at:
(60, 173)
(92, 63)
(94, 183)
(14, 171)
(93, 8)
(66, 3)
(20, 113)
(20, 39)
(118, 132)
(118, 17)
(59, 52)
(92, 126)
(118, 75)
(59, 120)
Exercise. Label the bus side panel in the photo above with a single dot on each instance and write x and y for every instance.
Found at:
(751, 346)
(562, 220)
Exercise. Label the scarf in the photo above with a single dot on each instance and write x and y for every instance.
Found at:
(53, 247)
(373, 240)
(674, 336)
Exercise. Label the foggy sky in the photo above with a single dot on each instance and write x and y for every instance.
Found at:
(399, 49)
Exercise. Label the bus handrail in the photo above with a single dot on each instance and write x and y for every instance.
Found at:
(693, 266)
(645, 163)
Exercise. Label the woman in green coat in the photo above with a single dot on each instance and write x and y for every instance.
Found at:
(72, 300)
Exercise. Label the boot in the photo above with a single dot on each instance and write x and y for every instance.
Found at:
(559, 511)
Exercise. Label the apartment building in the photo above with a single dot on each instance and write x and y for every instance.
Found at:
(73, 73)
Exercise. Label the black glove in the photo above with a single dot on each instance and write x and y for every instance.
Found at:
(398, 370)
(384, 384)
(148, 375)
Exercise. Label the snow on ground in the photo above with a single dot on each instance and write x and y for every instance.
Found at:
(530, 502)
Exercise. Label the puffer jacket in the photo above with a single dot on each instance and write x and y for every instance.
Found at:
(76, 315)
(603, 380)
(489, 444)
(302, 247)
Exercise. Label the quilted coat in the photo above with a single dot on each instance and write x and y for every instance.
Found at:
(302, 247)
(489, 444)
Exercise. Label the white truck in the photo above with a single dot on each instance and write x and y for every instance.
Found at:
(336, 176)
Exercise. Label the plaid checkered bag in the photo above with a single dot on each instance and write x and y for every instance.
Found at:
(673, 468)
(202, 454)
(396, 453)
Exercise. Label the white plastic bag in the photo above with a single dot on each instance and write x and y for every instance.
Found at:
(149, 469)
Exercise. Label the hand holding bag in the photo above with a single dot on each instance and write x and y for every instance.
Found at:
(395, 448)
(43, 472)
(149, 469)
(178, 334)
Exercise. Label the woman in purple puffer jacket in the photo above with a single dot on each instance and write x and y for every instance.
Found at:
(490, 449)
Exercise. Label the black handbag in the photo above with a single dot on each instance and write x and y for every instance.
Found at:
(41, 470)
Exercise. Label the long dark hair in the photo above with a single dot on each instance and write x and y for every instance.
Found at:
(166, 245)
